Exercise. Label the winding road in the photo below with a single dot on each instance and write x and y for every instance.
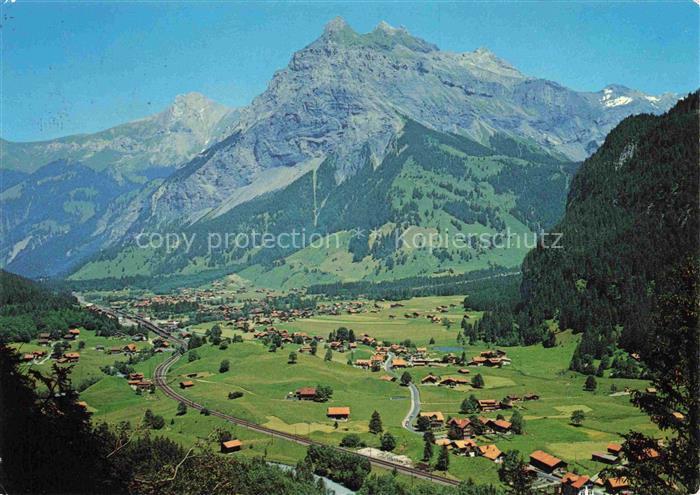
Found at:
(161, 381)
(415, 398)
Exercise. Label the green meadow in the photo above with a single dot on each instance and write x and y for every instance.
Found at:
(266, 379)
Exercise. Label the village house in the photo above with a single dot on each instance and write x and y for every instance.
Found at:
(399, 363)
(464, 447)
(71, 357)
(338, 413)
(615, 449)
(305, 393)
(130, 348)
(231, 446)
(464, 371)
(574, 484)
(430, 378)
(546, 462)
(363, 363)
(437, 420)
(74, 331)
(186, 384)
(461, 425)
(452, 382)
(491, 452)
(500, 425)
(486, 405)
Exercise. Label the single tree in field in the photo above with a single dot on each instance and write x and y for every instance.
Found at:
(181, 409)
(577, 417)
(375, 423)
(387, 442)
(292, 358)
(406, 378)
(443, 460)
(514, 474)
(428, 440)
(314, 347)
(591, 384)
(422, 423)
(478, 381)
(469, 405)
(329, 355)
(517, 423)
(224, 366)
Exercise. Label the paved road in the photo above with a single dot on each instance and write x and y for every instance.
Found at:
(161, 380)
(415, 398)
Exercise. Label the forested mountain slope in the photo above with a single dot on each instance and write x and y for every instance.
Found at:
(631, 218)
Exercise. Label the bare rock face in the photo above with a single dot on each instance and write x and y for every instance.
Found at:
(347, 94)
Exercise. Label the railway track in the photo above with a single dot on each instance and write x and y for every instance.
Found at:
(161, 380)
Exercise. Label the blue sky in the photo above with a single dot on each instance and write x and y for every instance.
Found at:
(81, 67)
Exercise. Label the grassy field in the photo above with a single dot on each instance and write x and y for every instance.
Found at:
(265, 378)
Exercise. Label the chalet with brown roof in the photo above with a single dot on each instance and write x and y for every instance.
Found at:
(74, 331)
(491, 452)
(574, 484)
(436, 418)
(186, 384)
(464, 371)
(130, 348)
(135, 376)
(305, 393)
(461, 425)
(443, 442)
(430, 378)
(116, 350)
(338, 413)
(28, 357)
(614, 449)
(231, 446)
(363, 363)
(464, 447)
(387, 378)
(500, 425)
(399, 363)
(71, 357)
(453, 382)
(546, 462)
(477, 361)
(488, 405)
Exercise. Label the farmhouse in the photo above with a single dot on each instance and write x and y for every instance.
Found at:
(363, 363)
(436, 418)
(453, 382)
(464, 447)
(614, 449)
(500, 425)
(338, 413)
(545, 462)
(574, 484)
(27, 357)
(461, 425)
(488, 405)
(430, 379)
(186, 384)
(399, 363)
(71, 357)
(443, 442)
(491, 452)
(130, 348)
(305, 393)
(74, 331)
(230, 446)
(477, 361)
